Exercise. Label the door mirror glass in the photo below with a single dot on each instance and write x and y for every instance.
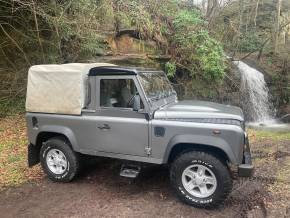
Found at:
(137, 103)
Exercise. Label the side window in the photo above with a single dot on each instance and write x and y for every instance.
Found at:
(117, 92)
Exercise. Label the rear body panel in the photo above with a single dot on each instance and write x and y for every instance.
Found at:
(127, 135)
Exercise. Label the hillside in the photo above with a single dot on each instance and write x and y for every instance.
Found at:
(184, 39)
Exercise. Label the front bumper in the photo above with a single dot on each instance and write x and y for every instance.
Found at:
(246, 169)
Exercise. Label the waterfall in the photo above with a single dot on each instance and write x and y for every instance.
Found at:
(255, 94)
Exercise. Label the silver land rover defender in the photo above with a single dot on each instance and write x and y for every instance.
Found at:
(134, 114)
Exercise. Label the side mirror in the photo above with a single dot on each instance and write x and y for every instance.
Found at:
(136, 103)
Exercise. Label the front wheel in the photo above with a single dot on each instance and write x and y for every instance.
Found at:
(200, 179)
(58, 160)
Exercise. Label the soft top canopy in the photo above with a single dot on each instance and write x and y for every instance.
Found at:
(58, 88)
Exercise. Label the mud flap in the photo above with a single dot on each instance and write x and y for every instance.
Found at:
(33, 155)
(246, 169)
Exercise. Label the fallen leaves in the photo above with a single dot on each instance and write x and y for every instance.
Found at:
(13, 153)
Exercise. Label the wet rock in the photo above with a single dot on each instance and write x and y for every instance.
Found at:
(285, 118)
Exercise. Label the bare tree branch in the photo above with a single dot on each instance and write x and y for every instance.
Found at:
(16, 44)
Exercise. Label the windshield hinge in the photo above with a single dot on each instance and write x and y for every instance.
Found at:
(148, 150)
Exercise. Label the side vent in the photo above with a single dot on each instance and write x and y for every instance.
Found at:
(159, 131)
(34, 122)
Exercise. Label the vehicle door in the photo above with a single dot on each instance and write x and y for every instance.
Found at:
(120, 129)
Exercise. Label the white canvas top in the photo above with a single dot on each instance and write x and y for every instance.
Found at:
(58, 88)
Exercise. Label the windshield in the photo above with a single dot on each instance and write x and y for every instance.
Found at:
(156, 85)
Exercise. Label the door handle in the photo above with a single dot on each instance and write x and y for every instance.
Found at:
(104, 127)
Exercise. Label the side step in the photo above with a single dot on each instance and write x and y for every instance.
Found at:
(130, 171)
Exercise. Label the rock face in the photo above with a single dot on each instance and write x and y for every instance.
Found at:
(129, 43)
(285, 118)
(285, 114)
(285, 109)
(127, 49)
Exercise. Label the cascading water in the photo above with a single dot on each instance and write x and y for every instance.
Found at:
(255, 100)
(255, 94)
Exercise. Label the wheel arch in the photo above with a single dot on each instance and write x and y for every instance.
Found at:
(34, 149)
(44, 136)
(47, 132)
(184, 147)
(211, 144)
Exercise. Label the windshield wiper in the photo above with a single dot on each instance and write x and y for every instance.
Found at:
(155, 98)
(170, 93)
(164, 95)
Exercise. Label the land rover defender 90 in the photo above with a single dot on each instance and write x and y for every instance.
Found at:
(134, 114)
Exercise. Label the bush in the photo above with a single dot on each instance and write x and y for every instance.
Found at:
(211, 56)
(11, 106)
(196, 50)
(250, 42)
(170, 69)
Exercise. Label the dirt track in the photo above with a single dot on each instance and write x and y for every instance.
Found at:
(100, 192)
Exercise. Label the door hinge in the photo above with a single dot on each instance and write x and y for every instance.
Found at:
(148, 150)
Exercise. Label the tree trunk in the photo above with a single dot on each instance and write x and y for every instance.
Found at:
(277, 26)
(37, 32)
(241, 11)
(212, 8)
(256, 12)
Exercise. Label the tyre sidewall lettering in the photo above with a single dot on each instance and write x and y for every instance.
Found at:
(195, 200)
(202, 163)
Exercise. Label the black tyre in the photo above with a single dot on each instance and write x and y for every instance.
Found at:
(58, 160)
(200, 179)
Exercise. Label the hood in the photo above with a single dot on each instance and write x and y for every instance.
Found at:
(199, 109)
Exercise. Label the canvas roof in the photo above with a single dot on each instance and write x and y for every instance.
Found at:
(58, 88)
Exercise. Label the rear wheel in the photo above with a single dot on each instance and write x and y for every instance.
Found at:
(58, 160)
(200, 179)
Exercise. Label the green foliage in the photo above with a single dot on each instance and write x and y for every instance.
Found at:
(187, 19)
(196, 49)
(92, 45)
(133, 13)
(11, 106)
(170, 69)
(203, 89)
(211, 56)
(250, 42)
